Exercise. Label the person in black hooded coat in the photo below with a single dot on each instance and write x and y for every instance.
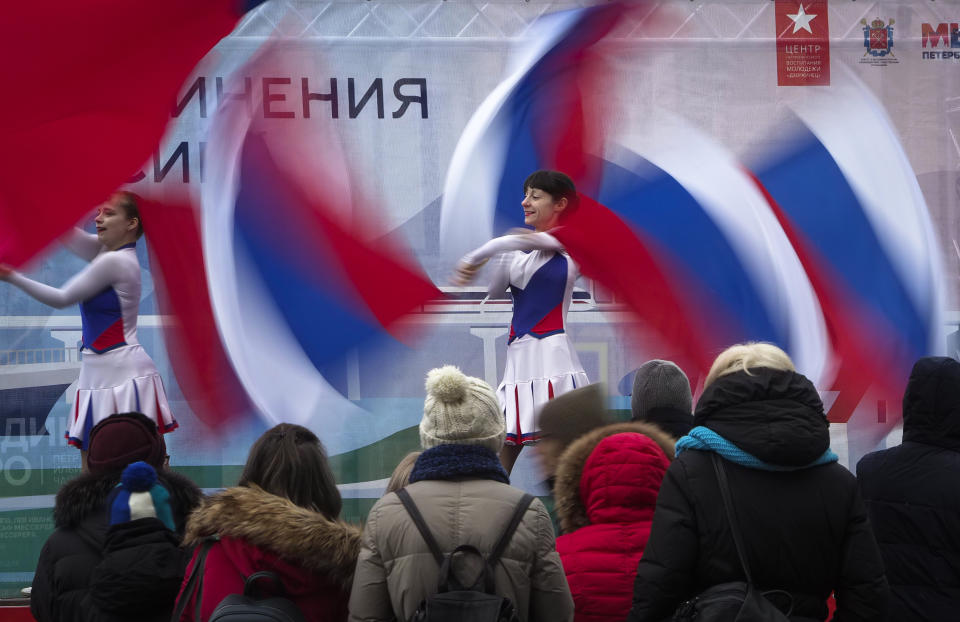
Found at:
(912, 494)
(89, 571)
(803, 522)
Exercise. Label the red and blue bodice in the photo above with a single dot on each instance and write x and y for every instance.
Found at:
(102, 318)
(541, 283)
(109, 318)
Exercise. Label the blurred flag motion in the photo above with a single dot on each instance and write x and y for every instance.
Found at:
(297, 278)
(196, 354)
(91, 85)
(846, 196)
(825, 249)
(533, 119)
(306, 284)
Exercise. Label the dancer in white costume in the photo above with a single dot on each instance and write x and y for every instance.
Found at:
(116, 374)
(541, 360)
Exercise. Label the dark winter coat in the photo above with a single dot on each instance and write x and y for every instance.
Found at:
(805, 530)
(314, 556)
(606, 491)
(912, 494)
(673, 421)
(88, 571)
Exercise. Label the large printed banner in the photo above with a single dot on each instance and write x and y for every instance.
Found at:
(398, 83)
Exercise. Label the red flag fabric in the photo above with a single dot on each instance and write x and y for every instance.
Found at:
(200, 364)
(609, 251)
(88, 93)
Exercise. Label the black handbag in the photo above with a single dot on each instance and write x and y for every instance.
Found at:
(737, 601)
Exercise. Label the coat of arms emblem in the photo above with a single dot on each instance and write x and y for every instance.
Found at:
(877, 37)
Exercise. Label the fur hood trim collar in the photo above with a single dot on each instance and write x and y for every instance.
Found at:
(304, 537)
(570, 508)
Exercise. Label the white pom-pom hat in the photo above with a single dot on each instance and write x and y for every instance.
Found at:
(460, 410)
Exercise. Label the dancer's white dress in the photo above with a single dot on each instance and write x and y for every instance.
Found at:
(116, 373)
(541, 360)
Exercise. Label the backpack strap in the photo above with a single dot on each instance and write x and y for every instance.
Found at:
(498, 549)
(194, 585)
(511, 527)
(505, 537)
(731, 514)
(738, 539)
(417, 517)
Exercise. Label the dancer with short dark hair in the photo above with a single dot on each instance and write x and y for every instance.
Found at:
(541, 360)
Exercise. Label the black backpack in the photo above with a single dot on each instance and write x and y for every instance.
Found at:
(247, 607)
(454, 601)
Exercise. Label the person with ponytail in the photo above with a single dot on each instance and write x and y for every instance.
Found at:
(116, 373)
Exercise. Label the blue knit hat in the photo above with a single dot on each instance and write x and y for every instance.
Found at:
(139, 495)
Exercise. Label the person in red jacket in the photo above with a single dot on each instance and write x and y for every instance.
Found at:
(606, 491)
(281, 517)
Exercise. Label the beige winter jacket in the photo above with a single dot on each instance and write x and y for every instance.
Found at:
(396, 571)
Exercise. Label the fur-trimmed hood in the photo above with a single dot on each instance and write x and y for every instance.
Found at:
(582, 502)
(87, 493)
(295, 534)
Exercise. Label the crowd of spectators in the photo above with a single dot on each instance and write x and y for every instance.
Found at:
(637, 525)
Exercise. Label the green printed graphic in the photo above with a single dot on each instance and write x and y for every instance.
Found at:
(22, 534)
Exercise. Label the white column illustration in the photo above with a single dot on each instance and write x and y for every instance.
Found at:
(489, 335)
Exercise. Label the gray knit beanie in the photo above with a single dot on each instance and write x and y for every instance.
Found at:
(660, 384)
(461, 410)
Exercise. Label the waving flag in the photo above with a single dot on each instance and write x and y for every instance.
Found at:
(683, 256)
(697, 255)
(293, 279)
(846, 195)
(197, 356)
(828, 252)
(731, 265)
(96, 81)
(532, 120)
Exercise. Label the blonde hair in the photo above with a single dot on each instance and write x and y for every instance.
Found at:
(743, 356)
(401, 475)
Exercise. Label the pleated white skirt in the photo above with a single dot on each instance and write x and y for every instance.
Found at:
(536, 371)
(117, 381)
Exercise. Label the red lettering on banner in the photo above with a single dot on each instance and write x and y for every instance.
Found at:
(803, 42)
(929, 35)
